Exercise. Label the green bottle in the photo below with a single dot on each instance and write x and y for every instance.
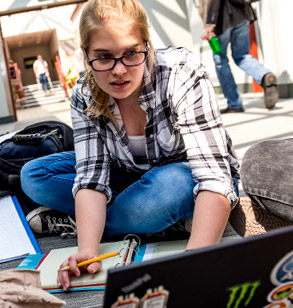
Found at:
(215, 45)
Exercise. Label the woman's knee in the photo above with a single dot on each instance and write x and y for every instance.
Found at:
(171, 184)
(48, 176)
(165, 192)
(30, 173)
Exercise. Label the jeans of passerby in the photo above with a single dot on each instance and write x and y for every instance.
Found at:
(142, 203)
(238, 37)
(266, 175)
(44, 82)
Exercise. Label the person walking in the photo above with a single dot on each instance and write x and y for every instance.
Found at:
(150, 146)
(229, 20)
(41, 71)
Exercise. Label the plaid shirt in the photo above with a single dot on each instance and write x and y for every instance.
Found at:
(183, 123)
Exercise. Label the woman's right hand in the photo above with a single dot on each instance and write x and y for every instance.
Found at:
(63, 278)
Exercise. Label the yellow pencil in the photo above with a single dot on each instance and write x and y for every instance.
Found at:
(99, 258)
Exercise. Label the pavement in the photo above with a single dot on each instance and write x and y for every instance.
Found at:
(254, 125)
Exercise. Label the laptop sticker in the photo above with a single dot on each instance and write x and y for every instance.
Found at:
(242, 294)
(282, 276)
(283, 270)
(281, 296)
(156, 298)
(126, 302)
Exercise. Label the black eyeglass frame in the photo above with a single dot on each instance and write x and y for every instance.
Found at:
(90, 61)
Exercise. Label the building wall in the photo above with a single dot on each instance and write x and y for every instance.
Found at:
(56, 19)
(18, 55)
(6, 107)
(169, 23)
(275, 22)
(177, 23)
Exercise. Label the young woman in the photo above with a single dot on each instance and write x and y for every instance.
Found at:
(150, 147)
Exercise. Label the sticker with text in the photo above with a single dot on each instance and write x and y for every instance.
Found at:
(156, 298)
(129, 301)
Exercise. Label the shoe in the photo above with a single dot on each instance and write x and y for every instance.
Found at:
(249, 219)
(231, 110)
(271, 94)
(45, 221)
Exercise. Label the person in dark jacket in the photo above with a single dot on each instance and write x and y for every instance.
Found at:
(229, 21)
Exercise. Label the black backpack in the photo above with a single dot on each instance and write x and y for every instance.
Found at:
(34, 141)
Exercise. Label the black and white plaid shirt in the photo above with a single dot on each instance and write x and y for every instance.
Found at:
(183, 122)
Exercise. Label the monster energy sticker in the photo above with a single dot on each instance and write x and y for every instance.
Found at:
(242, 294)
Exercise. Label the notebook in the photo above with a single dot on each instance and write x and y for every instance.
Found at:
(16, 237)
(48, 265)
(130, 251)
(252, 272)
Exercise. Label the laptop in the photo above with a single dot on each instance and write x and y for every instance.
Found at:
(250, 272)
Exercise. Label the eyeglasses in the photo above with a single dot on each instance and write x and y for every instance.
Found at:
(105, 63)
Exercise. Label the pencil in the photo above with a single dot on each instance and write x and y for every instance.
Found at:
(99, 258)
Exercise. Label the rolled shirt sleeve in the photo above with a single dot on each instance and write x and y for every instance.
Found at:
(200, 124)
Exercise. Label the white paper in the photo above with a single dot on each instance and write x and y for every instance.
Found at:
(14, 240)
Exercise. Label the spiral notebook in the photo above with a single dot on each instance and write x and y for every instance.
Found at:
(130, 251)
(48, 265)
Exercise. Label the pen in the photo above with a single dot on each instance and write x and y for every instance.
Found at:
(99, 258)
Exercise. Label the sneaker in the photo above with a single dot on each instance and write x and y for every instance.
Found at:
(271, 94)
(45, 221)
(249, 219)
(231, 110)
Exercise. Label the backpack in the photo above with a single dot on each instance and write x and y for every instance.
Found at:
(36, 140)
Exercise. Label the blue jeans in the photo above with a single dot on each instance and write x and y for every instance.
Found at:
(142, 203)
(44, 82)
(239, 38)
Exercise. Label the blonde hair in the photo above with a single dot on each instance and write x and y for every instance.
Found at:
(94, 14)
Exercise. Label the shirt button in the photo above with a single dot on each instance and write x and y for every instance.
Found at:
(151, 135)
